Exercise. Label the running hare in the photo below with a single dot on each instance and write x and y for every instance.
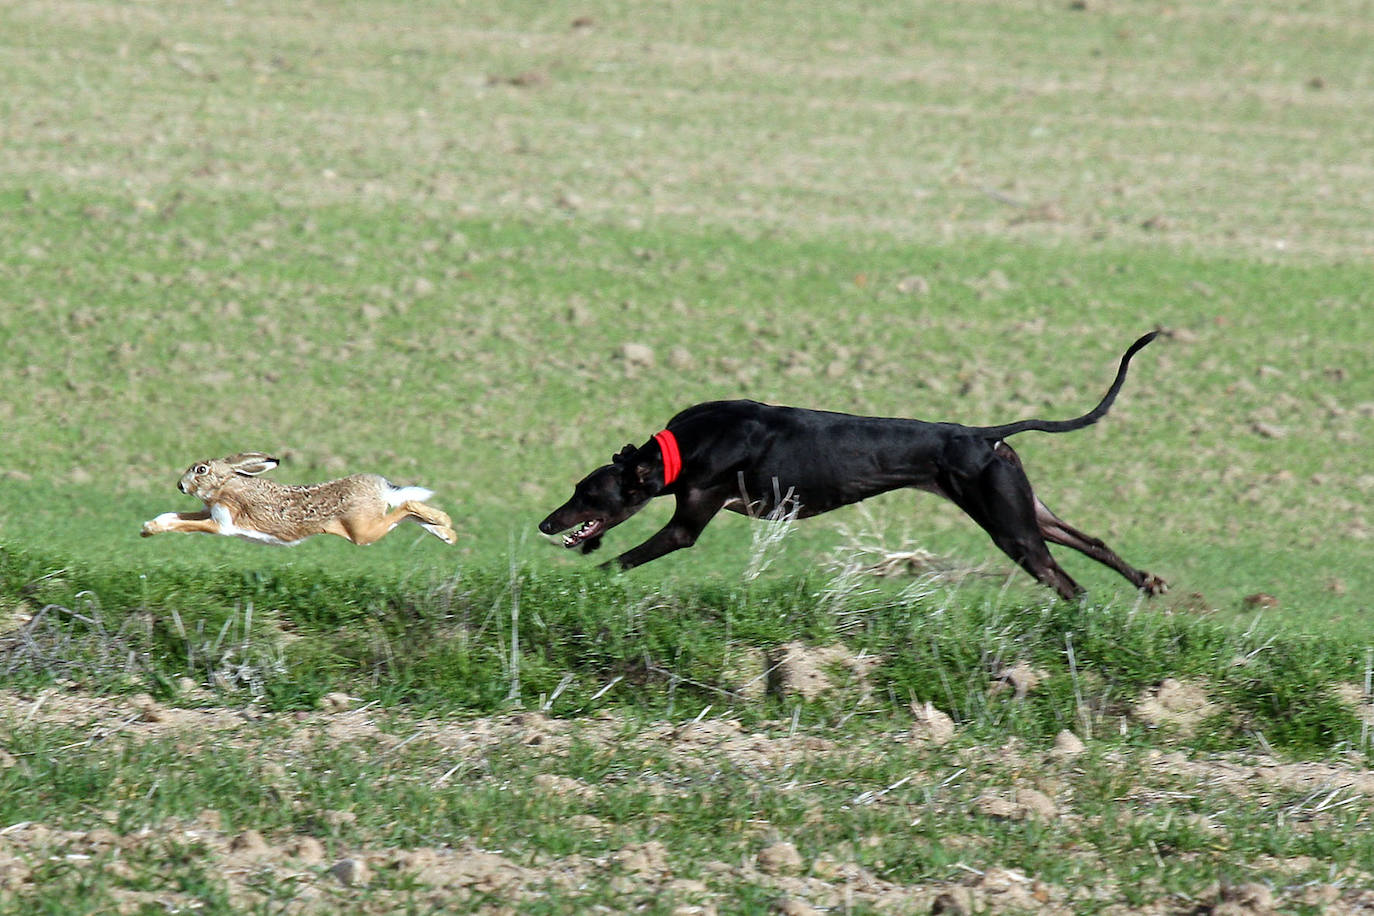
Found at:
(362, 507)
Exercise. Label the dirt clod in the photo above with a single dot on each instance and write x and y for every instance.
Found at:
(307, 849)
(249, 843)
(642, 858)
(1251, 899)
(1067, 745)
(335, 702)
(1021, 678)
(780, 859)
(637, 355)
(956, 901)
(1016, 805)
(808, 671)
(931, 725)
(148, 708)
(1176, 704)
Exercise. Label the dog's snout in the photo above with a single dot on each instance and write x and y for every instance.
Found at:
(546, 527)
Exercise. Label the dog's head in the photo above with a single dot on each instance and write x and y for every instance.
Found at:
(605, 498)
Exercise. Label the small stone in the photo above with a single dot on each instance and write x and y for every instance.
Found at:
(350, 872)
(794, 906)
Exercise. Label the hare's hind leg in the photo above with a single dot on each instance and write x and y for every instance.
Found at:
(368, 529)
(433, 520)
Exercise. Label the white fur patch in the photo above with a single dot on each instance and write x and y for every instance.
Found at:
(226, 526)
(397, 495)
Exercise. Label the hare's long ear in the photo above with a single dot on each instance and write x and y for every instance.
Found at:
(248, 464)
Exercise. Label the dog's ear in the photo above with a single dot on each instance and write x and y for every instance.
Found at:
(622, 457)
(642, 480)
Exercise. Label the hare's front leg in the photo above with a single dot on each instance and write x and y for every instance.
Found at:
(181, 521)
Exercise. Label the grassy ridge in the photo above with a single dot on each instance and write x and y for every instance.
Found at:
(484, 642)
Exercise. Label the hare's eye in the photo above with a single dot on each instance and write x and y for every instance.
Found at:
(201, 469)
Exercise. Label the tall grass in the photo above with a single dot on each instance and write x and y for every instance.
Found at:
(568, 644)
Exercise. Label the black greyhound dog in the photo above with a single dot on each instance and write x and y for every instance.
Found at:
(769, 461)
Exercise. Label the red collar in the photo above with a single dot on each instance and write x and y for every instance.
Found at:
(672, 458)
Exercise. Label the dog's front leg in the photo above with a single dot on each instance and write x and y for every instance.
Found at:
(694, 511)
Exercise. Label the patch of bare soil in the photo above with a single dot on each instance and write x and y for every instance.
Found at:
(300, 873)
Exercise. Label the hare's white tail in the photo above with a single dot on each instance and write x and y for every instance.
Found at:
(395, 495)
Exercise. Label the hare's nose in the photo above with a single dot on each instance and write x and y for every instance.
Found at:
(181, 486)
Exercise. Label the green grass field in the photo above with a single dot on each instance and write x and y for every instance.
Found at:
(416, 239)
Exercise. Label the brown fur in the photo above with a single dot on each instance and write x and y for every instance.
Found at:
(238, 503)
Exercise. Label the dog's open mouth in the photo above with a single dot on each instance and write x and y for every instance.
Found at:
(588, 530)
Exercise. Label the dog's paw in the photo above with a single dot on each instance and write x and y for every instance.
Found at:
(1153, 585)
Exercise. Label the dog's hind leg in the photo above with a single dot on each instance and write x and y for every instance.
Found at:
(999, 499)
(1058, 531)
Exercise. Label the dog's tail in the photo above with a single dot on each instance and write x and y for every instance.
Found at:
(1088, 419)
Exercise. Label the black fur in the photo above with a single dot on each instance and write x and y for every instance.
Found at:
(763, 460)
